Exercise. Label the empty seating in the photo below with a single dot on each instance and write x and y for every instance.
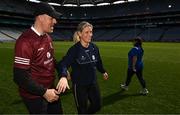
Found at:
(172, 35)
(152, 34)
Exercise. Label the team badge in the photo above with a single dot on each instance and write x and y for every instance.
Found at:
(83, 58)
(93, 57)
(48, 55)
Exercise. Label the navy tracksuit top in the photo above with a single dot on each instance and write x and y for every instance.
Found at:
(83, 62)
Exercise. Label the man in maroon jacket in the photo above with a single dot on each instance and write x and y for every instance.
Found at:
(34, 64)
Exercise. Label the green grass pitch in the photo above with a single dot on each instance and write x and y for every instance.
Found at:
(161, 72)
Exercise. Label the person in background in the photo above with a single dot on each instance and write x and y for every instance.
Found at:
(84, 58)
(34, 63)
(135, 65)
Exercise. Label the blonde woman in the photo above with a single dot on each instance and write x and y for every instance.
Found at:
(84, 58)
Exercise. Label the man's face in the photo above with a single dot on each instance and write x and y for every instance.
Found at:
(48, 23)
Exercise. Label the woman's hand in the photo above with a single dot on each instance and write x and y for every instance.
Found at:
(106, 76)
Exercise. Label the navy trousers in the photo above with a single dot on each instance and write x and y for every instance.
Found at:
(87, 98)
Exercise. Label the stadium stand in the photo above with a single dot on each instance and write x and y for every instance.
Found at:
(152, 19)
(13, 33)
(107, 34)
(5, 38)
(63, 34)
(127, 34)
(152, 34)
(132, 8)
(20, 6)
(172, 35)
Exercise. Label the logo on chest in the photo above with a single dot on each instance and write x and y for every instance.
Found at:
(83, 58)
(93, 57)
(48, 55)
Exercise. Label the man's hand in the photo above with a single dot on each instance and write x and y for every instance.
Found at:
(51, 95)
(62, 85)
(106, 76)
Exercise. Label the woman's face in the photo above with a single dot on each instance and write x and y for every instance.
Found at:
(86, 34)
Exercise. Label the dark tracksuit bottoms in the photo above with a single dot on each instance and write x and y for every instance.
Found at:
(84, 93)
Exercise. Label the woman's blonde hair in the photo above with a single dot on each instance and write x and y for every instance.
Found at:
(80, 28)
(82, 25)
(76, 37)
